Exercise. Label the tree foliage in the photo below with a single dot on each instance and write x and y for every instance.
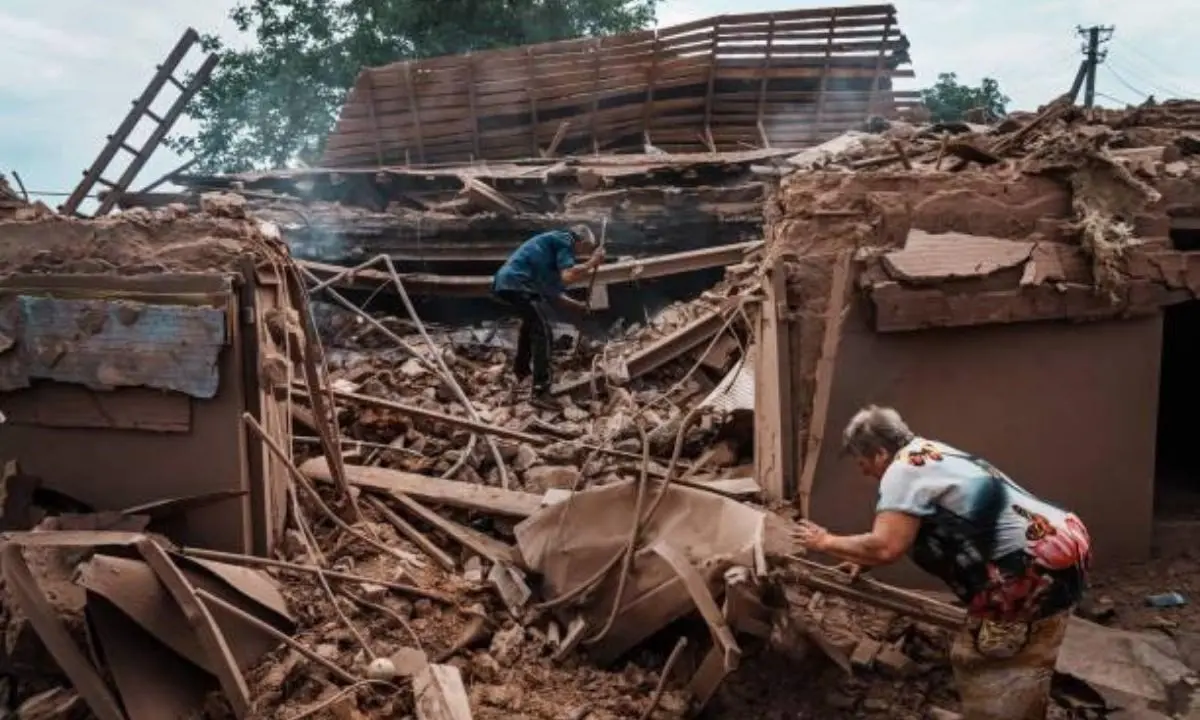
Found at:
(274, 101)
(948, 100)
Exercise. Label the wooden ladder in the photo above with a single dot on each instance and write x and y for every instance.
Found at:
(119, 140)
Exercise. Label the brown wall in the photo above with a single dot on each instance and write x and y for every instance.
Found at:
(113, 469)
(1067, 410)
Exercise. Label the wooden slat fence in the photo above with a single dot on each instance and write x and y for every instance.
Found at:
(784, 79)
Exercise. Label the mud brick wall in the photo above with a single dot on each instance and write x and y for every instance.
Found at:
(120, 399)
(953, 346)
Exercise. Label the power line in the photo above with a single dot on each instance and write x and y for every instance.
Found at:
(1121, 79)
(1169, 91)
(1156, 66)
(1114, 99)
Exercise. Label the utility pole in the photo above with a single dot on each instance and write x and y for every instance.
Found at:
(1094, 36)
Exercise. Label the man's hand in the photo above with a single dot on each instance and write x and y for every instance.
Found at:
(810, 535)
(597, 257)
(852, 570)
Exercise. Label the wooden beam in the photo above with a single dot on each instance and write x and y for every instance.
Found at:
(532, 73)
(774, 452)
(466, 496)
(651, 82)
(835, 312)
(480, 285)
(415, 106)
(597, 45)
(872, 104)
(559, 134)
(824, 87)
(473, 104)
(712, 80)
(418, 538)
(762, 83)
(369, 90)
(483, 545)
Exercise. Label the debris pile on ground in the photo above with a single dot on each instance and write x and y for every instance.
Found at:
(14, 205)
(451, 550)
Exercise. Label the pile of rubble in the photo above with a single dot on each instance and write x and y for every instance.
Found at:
(10, 200)
(448, 550)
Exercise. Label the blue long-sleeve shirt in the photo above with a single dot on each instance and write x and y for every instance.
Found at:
(536, 266)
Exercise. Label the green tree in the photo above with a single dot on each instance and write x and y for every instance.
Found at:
(275, 100)
(949, 100)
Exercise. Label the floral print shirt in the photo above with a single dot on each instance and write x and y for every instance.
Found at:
(1005, 553)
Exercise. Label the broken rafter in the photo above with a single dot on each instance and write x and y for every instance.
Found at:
(881, 595)
(532, 90)
(774, 455)
(466, 496)
(479, 427)
(762, 83)
(473, 103)
(873, 102)
(651, 83)
(480, 285)
(835, 311)
(414, 105)
(369, 92)
(596, 51)
(825, 68)
(663, 351)
(250, 560)
(712, 80)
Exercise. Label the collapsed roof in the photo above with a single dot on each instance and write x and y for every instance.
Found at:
(785, 79)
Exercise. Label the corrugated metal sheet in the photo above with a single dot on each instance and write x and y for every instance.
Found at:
(104, 344)
(735, 391)
(932, 258)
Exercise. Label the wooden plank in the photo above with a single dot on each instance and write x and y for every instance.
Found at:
(879, 68)
(823, 384)
(470, 60)
(415, 536)
(651, 84)
(762, 83)
(473, 540)
(531, 70)
(414, 111)
(439, 694)
(466, 496)
(774, 452)
(712, 79)
(63, 405)
(369, 99)
(54, 635)
(823, 93)
(853, 11)
(201, 621)
(595, 97)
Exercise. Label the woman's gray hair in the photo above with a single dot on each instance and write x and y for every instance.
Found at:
(873, 429)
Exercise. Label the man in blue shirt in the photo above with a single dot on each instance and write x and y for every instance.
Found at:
(536, 274)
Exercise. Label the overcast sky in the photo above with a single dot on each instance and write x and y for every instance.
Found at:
(70, 68)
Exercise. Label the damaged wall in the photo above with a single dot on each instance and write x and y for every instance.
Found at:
(1049, 218)
(124, 389)
(1068, 411)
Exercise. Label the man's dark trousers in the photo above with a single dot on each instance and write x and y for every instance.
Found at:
(533, 340)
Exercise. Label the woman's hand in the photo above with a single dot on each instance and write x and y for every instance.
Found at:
(810, 535)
